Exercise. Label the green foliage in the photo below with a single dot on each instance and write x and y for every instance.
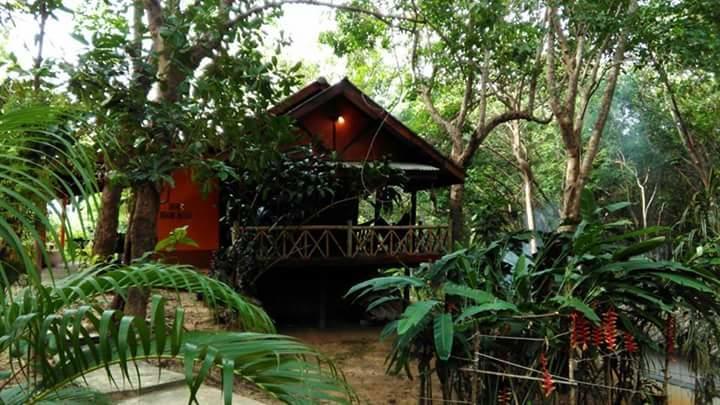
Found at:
(178, 236)
(39, 160)
(220, 120)
(501, 289)
(296, 188)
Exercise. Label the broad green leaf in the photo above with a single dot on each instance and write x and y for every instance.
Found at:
(381, 301)
(478, 296)
(578, 305)
(383, 283)
(685, 281)
(639, 248)
(414, 314)
(443, 333)
(471, 311)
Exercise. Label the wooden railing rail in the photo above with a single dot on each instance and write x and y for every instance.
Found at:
(346, 241)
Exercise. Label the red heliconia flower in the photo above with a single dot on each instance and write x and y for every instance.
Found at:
(597, 336)
(630, 344)
(547, 384)
(580, 331)
(610, 328)
(584, 332)
(670, 334)
(574, 329)
(504, 396)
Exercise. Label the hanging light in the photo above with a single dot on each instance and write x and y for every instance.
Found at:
(340, 119)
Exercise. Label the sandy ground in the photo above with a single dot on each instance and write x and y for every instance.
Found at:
(358, 352)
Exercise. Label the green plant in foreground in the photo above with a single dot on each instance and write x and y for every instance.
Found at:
(54, 332)
(501, 301)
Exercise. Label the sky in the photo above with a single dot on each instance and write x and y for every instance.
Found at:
(301, 23)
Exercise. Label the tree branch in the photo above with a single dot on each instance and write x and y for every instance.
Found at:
(467, 99)
(698, 157)
(604, 112)
(482, 133)
(210, 42)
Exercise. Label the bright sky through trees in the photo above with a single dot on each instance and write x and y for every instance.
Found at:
(300, 23)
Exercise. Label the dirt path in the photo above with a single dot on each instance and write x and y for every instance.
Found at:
(358, 352)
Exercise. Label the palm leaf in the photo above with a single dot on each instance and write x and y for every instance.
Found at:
(279, 365)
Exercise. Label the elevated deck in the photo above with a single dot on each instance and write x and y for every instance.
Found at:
(331, 245)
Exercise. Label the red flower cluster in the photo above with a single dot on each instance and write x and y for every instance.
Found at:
(597, 336)
(670, 334)
(610, 328)
(579, 331)
(547, 382)
(504, 396)
(630, 344)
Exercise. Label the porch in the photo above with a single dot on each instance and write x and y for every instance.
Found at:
(330, 245)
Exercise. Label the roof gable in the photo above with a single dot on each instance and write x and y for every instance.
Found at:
(319, 94)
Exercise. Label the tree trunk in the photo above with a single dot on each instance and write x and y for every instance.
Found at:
(107, 222)
(457, 216)
(572, 191)
(143, 237)
(523, 162)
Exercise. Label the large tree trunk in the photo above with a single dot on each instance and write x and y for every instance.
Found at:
(580, 79)
(457, 216)
(572, 190)
(107, 222)
(143, 237)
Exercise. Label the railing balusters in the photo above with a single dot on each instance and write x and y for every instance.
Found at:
(323, 241)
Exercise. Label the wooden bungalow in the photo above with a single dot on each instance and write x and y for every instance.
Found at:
(336, 249)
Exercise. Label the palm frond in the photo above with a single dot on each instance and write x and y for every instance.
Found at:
(85, 285)
(68, 346)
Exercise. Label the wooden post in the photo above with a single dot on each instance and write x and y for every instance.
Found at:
(666, 378)
(63, 219)
(406, 290)
(413, 208)
(572, 395)
(413, 221)
(475, 383)
(377, 206)
(349, 252)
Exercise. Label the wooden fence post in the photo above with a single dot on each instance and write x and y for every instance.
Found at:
(348, 253)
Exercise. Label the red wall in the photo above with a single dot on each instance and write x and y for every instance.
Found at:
(185, 204)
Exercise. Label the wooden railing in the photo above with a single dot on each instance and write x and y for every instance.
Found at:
(348, 241)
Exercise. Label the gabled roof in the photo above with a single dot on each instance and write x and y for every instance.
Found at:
(299, 97)
(318, 93)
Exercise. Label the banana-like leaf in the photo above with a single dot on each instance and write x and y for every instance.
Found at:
(414, 314)
(384, 283)
(443, 333)
(479, 296)
(639, 248)
(497, 306)
(684, 281)
(578, 305)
